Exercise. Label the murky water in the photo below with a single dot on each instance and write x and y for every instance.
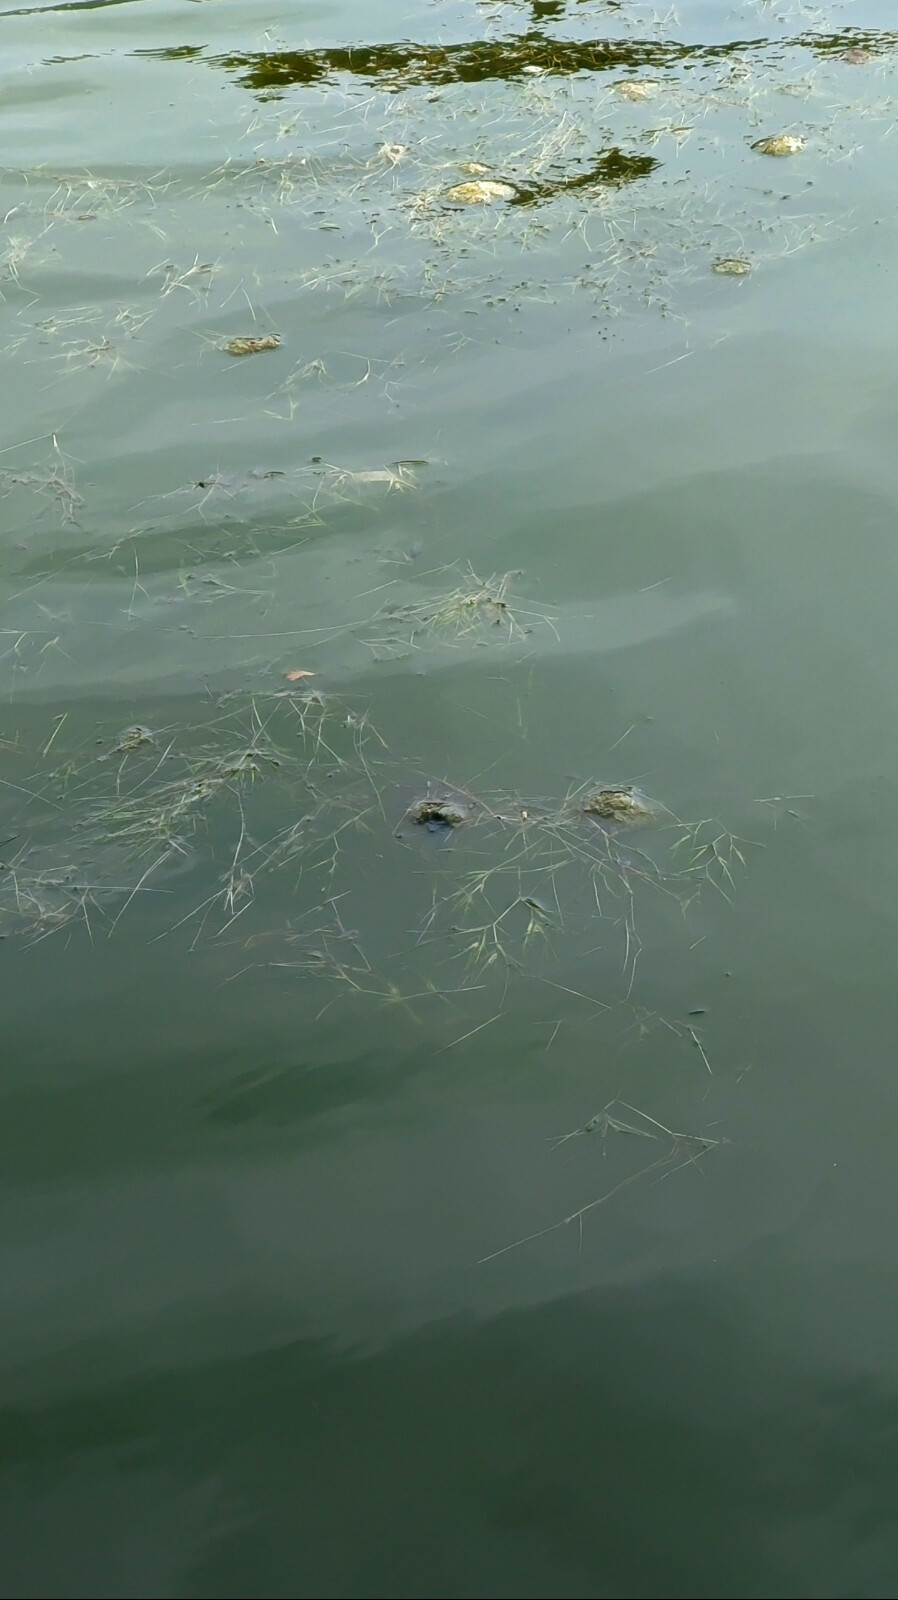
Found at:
(449, 783)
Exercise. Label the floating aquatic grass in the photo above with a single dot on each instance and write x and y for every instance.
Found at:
(683, 1149)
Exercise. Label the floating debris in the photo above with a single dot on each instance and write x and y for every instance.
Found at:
(133, 739)
(476, 602)
(393, 152)
(481, 192)
(731, 266)
(779, 144)
(439, 812)
(619, 805)
(858, 58)
(251, 347)
(474, 169)
(638, 89)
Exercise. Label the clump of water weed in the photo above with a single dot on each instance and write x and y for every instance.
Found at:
(474, 605)
(440, 812)
(149, 816)
(55, 481)
(711, 853)
(41, 897)
(623, 805)
(779, 144)
(252, 346)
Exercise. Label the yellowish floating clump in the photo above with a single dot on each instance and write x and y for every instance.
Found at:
(779, 144)
(251, 347)
(640, 89)
(482, 192)
(619, 805)
(731, 266)
(475, 169)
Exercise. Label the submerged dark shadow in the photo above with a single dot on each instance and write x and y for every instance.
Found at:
(626, 1441)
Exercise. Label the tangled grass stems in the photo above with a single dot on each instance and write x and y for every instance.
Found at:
(145, 817)
(475, 605)
(711, 853)
(685, 1149)
(55, 482)
(150, 795)
(490, 942)
(40, 901)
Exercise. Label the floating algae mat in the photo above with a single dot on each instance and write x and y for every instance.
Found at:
(552, 135)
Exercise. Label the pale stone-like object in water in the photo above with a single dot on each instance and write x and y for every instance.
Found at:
(731, 266)
(638, 89)
(482, 192)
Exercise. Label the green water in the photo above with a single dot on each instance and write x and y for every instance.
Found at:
(307, 1291)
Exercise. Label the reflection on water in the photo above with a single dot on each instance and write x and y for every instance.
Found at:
(448, 774)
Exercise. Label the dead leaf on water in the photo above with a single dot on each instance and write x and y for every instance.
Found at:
(299, 672)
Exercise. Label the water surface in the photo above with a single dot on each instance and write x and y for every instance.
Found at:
(395, 1208)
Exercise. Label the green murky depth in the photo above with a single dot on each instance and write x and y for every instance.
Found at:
(448, 798)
